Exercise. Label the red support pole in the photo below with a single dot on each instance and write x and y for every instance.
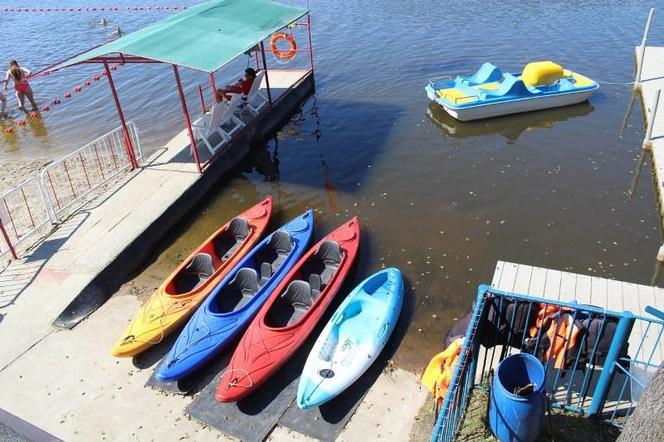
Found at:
(267, 80)
(200, 97)
(9, 243)
(213, 85)
(311, 45)
(187, 120)
(128, 144)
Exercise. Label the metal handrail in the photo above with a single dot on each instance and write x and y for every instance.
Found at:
(433, 80)
(644, 41)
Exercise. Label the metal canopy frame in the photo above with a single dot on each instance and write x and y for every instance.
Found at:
(122, 59)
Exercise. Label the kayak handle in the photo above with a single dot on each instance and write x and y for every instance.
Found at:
(383, 330)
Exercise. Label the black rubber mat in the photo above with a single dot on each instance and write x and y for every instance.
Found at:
(252, 418)
(327, 422)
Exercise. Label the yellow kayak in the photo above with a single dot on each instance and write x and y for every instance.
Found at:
(182, 292)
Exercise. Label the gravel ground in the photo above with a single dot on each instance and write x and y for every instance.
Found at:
(9, 435)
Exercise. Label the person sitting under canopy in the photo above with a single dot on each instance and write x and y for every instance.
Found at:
(242, 86)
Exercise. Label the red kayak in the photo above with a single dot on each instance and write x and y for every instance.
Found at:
(290, 313)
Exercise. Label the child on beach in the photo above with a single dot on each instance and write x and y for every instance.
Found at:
(21, 85)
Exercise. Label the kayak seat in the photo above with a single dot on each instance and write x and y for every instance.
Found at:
(291, 305)
(229, 241)
(315, 282)
(274, 253)
(196, 273)
(330, 254)
(322, 266)
(239, 292)
(266, 272)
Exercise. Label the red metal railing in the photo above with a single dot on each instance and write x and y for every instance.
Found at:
(24, 211)
(67, 181)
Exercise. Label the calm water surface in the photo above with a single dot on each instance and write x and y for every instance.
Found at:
(439, 199)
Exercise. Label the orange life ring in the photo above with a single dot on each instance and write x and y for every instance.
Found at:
(283, 55)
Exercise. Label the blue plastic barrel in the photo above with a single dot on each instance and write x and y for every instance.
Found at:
(513, 417)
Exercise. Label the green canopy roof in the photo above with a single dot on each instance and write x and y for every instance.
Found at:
(204, 37)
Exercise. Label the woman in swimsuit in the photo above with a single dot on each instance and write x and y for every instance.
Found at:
(21, 85)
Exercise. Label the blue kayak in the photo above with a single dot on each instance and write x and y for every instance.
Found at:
(231, 306)
(352, 339)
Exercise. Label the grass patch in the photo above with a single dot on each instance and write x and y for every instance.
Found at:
(559, 426)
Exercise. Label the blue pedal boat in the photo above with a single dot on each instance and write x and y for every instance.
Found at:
(231, 306)
(491, 93)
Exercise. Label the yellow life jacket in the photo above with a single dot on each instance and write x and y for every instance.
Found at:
(438, 374)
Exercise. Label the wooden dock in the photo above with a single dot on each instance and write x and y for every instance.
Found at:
(652, 79)
(608, 294)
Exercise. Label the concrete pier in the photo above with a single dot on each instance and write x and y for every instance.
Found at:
(64, 381)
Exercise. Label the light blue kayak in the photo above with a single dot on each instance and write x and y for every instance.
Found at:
(231, 306)
(352, 339)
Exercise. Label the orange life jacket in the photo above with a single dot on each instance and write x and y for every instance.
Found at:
(562, 333)
(438, 374)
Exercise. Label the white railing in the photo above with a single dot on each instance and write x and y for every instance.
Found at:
(70, 179)
(63, 187)
(24, 210)
(642, 48)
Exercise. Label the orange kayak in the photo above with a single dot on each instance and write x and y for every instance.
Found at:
(183, 291)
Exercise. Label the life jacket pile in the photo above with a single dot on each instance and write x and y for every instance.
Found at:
(547, 331)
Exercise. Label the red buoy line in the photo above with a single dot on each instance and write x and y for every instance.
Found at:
(66, 96)
(97, 9)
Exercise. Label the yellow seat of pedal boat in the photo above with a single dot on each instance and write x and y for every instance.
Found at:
(539, 73)
(488, 86)
(455, 96)
(579, 80)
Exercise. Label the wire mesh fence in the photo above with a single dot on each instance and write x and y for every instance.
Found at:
(24, 211)
(69, 180)
(65, 185)
(597, 362)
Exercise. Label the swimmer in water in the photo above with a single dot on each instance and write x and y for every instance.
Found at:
(117, 32)
(21, 85)
(103, 22)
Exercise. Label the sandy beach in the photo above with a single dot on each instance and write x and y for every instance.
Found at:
(14, 172)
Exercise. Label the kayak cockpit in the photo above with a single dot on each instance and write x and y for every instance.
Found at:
(248, 281)
(210, 258)
(360, 317)
(301, 294)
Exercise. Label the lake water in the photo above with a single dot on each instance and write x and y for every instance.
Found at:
(439, 199)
